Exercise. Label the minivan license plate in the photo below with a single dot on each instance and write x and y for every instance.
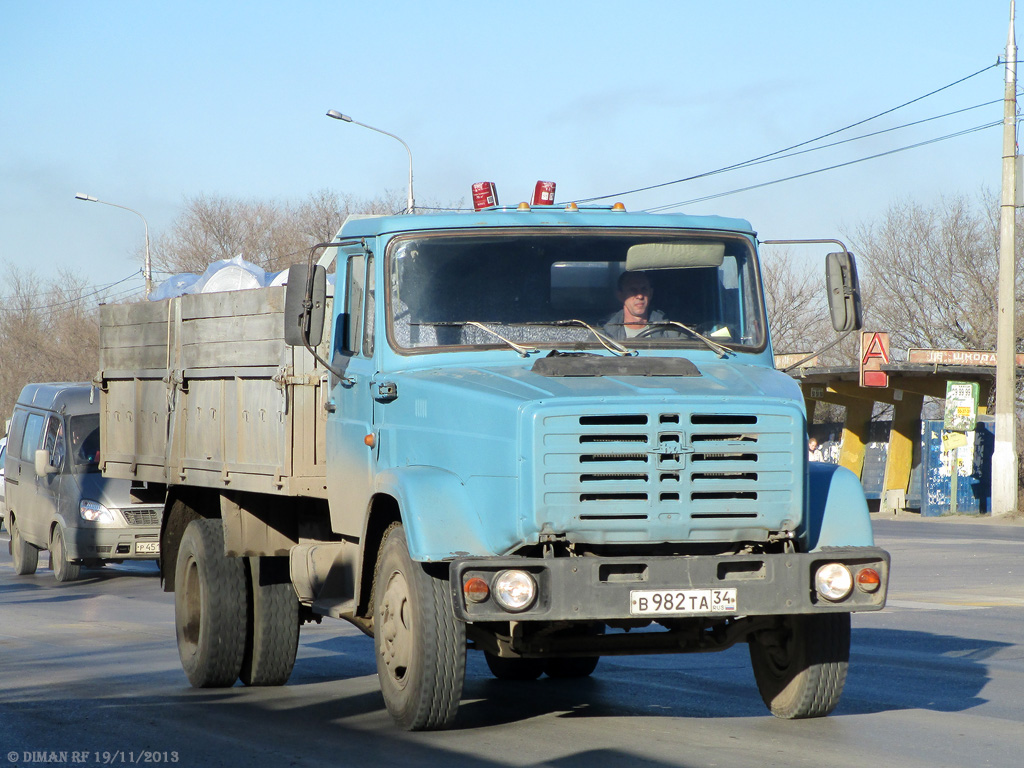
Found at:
(660, 602)
(147, 547)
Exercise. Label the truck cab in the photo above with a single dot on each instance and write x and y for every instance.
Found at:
(576, 477)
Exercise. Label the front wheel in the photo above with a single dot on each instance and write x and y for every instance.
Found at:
(800, 665)
(419, 644)
(210, 607)
(63, 569)
(24, 556)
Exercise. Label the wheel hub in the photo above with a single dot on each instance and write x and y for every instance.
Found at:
(396, 628)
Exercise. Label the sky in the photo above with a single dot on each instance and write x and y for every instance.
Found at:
(149, 104)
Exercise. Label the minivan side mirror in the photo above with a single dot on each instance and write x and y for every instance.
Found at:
(43, 465)
(843, 289)
(304, 314)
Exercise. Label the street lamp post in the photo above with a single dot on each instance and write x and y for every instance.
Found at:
(411, 207)
(148, 266)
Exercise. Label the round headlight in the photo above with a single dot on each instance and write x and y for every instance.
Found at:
(95, 512)
(833, 581)
(514, 590)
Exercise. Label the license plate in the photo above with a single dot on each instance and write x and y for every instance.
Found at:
(147, 547)
(661, 602)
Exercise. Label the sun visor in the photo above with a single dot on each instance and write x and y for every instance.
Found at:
(674, 255)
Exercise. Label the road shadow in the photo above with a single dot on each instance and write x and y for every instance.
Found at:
(894, 669)
(334, 703)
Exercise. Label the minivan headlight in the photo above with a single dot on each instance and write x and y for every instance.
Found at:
(95, 512)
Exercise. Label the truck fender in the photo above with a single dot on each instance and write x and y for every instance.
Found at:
(439, 521)
(837, 512)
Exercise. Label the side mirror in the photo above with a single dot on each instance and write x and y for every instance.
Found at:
(843, 288)
(304, 314)
(43, 465)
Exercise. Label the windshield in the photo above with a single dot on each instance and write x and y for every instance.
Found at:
(85, 438)
(574, 290)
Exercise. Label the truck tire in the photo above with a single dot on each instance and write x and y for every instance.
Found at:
(419, 644)
(63, 569)
(24, 556)
(514, 669)
(210, 607)
(569, 667)
(800, 667)
(272, 631)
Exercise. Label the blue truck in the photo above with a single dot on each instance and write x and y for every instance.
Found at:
(458, 433)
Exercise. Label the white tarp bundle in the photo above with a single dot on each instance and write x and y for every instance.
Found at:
(235, 274)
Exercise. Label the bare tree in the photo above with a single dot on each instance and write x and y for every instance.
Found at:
(794, 298)
(932, 272)
(48, 332)
(269, 234)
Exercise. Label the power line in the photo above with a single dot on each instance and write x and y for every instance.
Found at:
(822, 170)
(76, 300)
(873, 133)
(761, 158)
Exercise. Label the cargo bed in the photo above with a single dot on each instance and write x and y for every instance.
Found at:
(202, 390)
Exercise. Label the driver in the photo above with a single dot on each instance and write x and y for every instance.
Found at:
(634, 293)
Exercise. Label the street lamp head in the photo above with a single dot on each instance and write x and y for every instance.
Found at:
(338, 116)
(90, 198)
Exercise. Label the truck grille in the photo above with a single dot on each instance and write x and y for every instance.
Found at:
(620, 468)
(141, 516)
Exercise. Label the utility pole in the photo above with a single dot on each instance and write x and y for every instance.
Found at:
(1004, 456)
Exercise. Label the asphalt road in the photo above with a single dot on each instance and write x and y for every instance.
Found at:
(90, 669)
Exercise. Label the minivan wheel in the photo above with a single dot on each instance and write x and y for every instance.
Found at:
(24, 556)
(63, 569)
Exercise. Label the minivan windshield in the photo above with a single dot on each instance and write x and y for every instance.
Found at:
(567, 289)
(85, 438)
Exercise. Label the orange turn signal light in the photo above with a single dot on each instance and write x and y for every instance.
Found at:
(868, 579)
(370, 440)
(476, 590)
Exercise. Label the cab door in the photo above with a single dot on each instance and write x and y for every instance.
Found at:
(350, 419)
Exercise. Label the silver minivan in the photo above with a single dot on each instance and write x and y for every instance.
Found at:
(56, 497)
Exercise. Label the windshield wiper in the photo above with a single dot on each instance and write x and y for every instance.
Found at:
(719, 349)
(523, 351)
(606, 341)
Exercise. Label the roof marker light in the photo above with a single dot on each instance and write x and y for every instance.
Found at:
(523, 207)
(618, 207)
(572, 207)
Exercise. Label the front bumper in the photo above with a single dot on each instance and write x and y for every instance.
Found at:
(598, 588)
(96, 543)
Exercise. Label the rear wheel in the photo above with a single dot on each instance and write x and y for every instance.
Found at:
(210, 607)
(63, 569)
(514, 669)
(800, 665)
(272, 633)
(419, 644)
(24, 556)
